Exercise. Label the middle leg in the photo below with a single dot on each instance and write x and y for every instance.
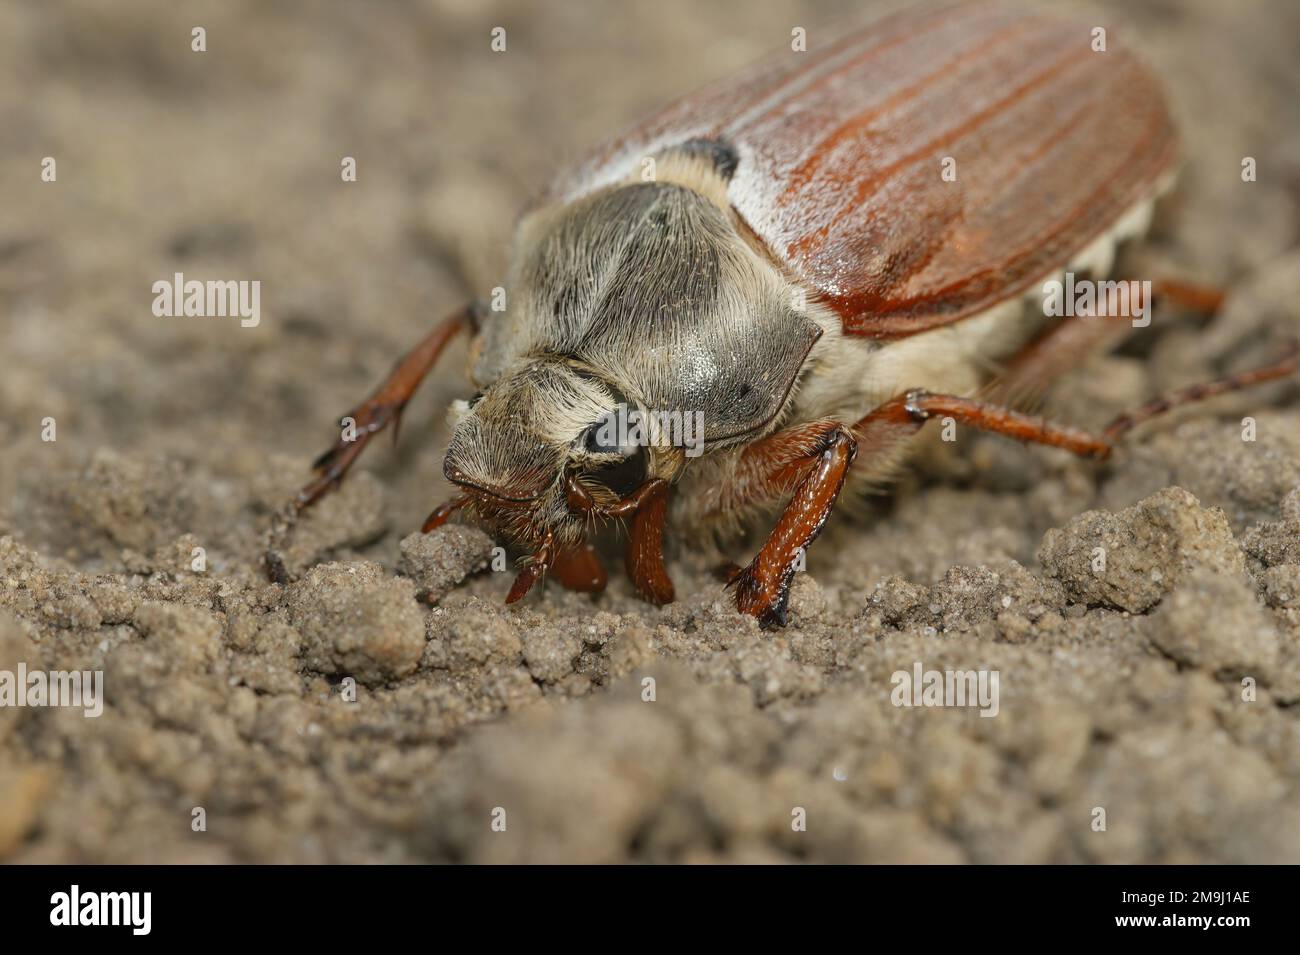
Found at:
(763, 588)
(815, 458)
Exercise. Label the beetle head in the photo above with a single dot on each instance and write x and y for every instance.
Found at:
(516, 447)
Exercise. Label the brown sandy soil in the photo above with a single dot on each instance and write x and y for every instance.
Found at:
(1121, 688)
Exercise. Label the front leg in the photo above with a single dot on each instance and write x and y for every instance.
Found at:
(644, 556)
(763, 588)
(384, 406)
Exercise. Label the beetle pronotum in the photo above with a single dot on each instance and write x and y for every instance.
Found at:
(833, 249)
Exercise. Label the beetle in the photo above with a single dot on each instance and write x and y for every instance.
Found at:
(800, 273)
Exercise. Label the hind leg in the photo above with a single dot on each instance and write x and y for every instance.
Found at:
(1059, 347)
(921, 406)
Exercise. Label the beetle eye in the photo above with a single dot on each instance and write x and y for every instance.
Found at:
(625, 473)
(602, 437)
(625, 476)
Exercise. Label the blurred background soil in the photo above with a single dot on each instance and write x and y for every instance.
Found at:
(1120, 689)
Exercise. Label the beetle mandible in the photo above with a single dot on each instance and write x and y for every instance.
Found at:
(834, 247)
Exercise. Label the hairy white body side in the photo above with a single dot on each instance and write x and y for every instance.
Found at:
(846, 377)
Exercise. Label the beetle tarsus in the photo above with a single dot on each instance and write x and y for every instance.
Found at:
(334, 464)
(383, 407)
(1285, 365)
(532, 571)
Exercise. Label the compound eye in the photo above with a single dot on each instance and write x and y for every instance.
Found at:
(603, 437)
(623, 476)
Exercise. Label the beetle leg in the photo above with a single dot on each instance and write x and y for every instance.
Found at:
(920, 406)
(580, 500)
(532, 571)
(769, 468)
(910, 411)
(1030, 371)
(577, 496)
(384, 406)
(769, 465)
(763, 588)
(1201, 299)
(1057, 348)
(579, 568)
(644, 557)
(439, 515)
(1285, 365)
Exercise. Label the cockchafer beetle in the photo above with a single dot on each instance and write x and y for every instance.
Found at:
(800, 274)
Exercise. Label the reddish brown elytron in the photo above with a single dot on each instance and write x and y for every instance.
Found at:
(840, 155)
(906, 182)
